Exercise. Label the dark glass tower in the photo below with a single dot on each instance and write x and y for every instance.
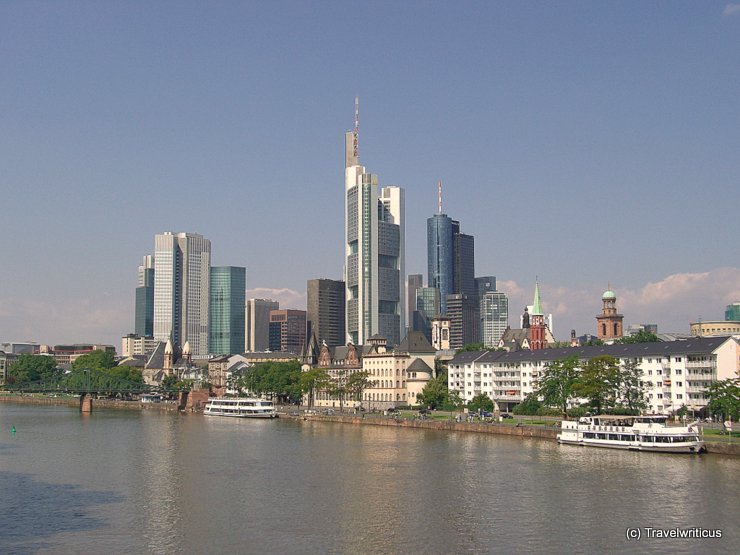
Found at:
(144, 313)
(440, 257)
(227, 318)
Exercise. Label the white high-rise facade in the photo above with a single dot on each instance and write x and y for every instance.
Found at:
(374, 248)
(182, 268)
(494, 317)
(257, 324)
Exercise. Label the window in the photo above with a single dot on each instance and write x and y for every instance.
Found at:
(679, 396)
(678, 359)
(679, 384)
(678, 372)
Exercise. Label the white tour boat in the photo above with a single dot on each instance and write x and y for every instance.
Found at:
(638, 433)
(240, 407)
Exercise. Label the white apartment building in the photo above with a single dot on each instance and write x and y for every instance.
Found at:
(674, 373)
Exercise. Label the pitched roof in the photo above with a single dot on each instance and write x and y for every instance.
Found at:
(419, 366)
(696, 346)
(415, 342)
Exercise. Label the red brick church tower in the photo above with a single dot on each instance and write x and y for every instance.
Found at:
(537, 339)
(609, 322)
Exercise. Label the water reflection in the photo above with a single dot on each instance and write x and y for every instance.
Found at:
(32, 512)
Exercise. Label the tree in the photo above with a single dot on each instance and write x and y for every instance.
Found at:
(557, 382)
(599, 382)
(312, 381)
(435, 393)
(481, 402)
(631, 392)
(471, 347)
(724, 399)
(529, 406)
(95, 360)
(33, 368)
(357, 383)
(641, 336)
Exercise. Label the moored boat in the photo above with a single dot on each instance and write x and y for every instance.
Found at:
(637, 433)
(240, 407)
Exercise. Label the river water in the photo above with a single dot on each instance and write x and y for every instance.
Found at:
(150, 482)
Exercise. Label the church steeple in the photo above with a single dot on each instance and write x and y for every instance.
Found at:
(537, 338)
(536, 304)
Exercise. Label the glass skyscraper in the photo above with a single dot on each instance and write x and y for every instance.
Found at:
(227, 316)
(374, 249)
(182, 265)
(144, 314)
(494, 317)
(440, 257)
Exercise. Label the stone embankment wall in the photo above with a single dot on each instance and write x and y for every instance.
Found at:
(543, 432)
(448, 425)
(97, 403)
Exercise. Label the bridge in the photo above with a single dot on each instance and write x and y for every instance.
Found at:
(92, 384)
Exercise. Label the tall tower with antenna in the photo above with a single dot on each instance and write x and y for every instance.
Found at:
(374, 271)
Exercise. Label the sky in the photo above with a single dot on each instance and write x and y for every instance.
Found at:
(584, 144)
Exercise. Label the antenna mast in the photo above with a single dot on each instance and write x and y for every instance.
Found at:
(439, 195)
(356, 142)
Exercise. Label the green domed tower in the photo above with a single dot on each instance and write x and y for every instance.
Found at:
(609, 322)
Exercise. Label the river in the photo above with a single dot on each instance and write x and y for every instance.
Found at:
(150, 482)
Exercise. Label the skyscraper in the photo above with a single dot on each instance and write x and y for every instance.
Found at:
(494, 317)
(732, 312)
(287, 330)
(227, 314)
(374, 250)
(464, 261)
(440, 256)
(144, 315)
(450, 257)
(463, 313)
(182, 265)
(258, 324)
(413, 282)
(325, 310)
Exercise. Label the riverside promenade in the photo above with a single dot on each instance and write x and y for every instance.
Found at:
(544, 432)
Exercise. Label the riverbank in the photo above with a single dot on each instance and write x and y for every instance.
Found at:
(545, 432)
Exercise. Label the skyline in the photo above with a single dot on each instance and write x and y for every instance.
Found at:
(587, 144)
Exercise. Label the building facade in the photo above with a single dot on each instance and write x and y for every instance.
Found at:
(732, 312)
(182, 269)
(133, 344)
(227, 310)
(144, 312)
(287, 331)
(609, 322)
(463, 311)
(325, 302)
(715, 328)
(674, 373)
(257, 326)
(413, 282)
(494, 317)
(440, 257)
(374, 252)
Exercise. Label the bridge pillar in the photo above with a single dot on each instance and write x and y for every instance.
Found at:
(86, 404)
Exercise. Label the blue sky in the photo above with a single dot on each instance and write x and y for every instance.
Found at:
(585, 143)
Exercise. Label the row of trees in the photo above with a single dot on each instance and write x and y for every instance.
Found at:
(286, 382)
(96, 371)
(605, 384)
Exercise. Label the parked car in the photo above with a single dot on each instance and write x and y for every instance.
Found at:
(506, 415)
(485, 414)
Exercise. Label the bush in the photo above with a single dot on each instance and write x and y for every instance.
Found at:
(528, 407)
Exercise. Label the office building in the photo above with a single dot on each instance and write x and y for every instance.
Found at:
(463, 313)
(144, 312)
(732, 312)
(182, 265)
(325, 303)
(450, 257)
(464, 262)
(440, 259)
(427, 307)
(494, 317)
(287, 330)
(374, 250)
(413, 282)
(227, 314)
(257, 337)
